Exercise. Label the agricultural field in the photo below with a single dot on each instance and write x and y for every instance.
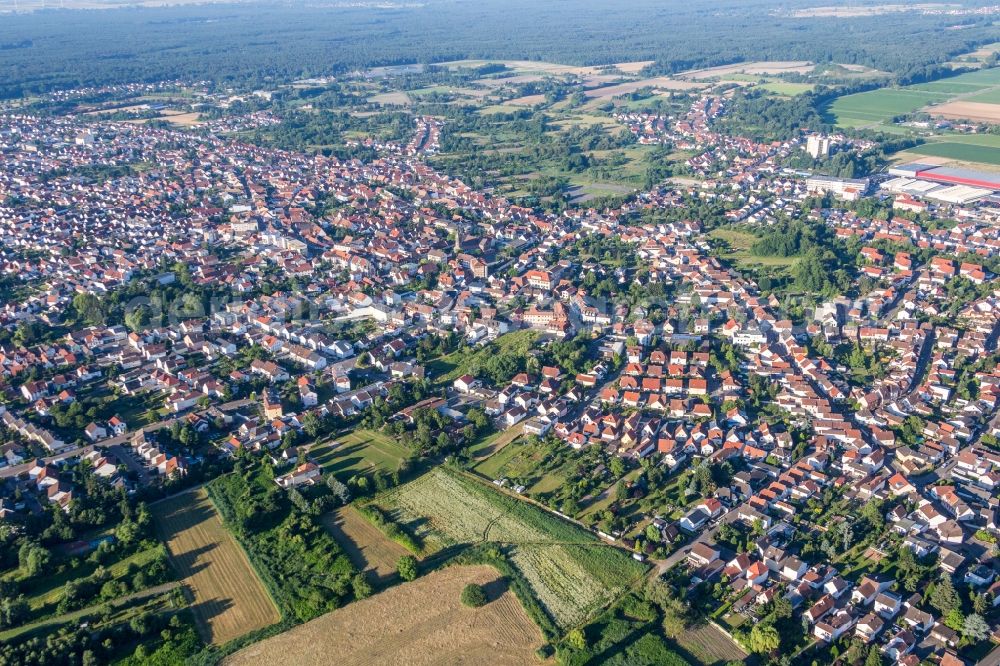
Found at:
(229, 600)
(969, 93)
(787, 89)
(961, 152)
(877, 106)
(570, 572)
(658, 83)
(968, 110)
(710, 645)
(429, 626)
(367, 547)
(358, 452)
(760, 67)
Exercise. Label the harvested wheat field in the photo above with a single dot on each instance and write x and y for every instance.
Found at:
(767, 67)
(422, 622)
(979, 111)
(368, 548)
(659, 82)
(633, 67)
(527, 100)
(229, 600)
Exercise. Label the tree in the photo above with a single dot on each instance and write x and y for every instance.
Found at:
(652, 533)
(88, 308)
(473, 596)
(764, 638)
(137, 318)
(944, 597)
(32, 558)
(13, 611)
(617, 467)
(361, 587)
(339, 490)
(311, 424)
(407, 567)
(975, 628)
(576, 639)
(874, 657)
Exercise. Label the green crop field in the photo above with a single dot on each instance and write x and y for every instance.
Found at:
(876, 106)
(948, 86)
(359, 451)
(988, 97)
(569, 570)
(959, 151)
(983, 77)
(989, 140)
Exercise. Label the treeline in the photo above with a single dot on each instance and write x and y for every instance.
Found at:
(256, 44)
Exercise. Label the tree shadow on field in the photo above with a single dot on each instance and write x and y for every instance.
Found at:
(190, 562)
(496, 588)
(206, 611)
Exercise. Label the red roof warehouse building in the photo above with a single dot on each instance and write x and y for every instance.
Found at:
(948, 175)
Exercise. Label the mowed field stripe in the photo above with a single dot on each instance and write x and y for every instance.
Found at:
(229, 599)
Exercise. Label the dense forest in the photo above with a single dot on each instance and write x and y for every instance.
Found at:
(253, 43)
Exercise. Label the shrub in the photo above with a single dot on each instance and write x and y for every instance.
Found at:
(407, 567)
(473, 596)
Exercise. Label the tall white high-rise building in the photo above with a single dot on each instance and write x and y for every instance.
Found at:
(818, 146)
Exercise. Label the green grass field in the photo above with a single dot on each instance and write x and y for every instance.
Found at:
(740, 243)
(524, 460)
(948, 86)
(984, 77)
(359, 451)
(494, 442)
(988, 140)
(492, 466)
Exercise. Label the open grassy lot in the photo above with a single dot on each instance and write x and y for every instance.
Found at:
(495, 442)
(422, 622)
(359, 451)
(370, 550)
(229, 600)
(569, 571)
(739, 244)
(525, 461)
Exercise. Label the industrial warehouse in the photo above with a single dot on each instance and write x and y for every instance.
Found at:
(945, 184)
